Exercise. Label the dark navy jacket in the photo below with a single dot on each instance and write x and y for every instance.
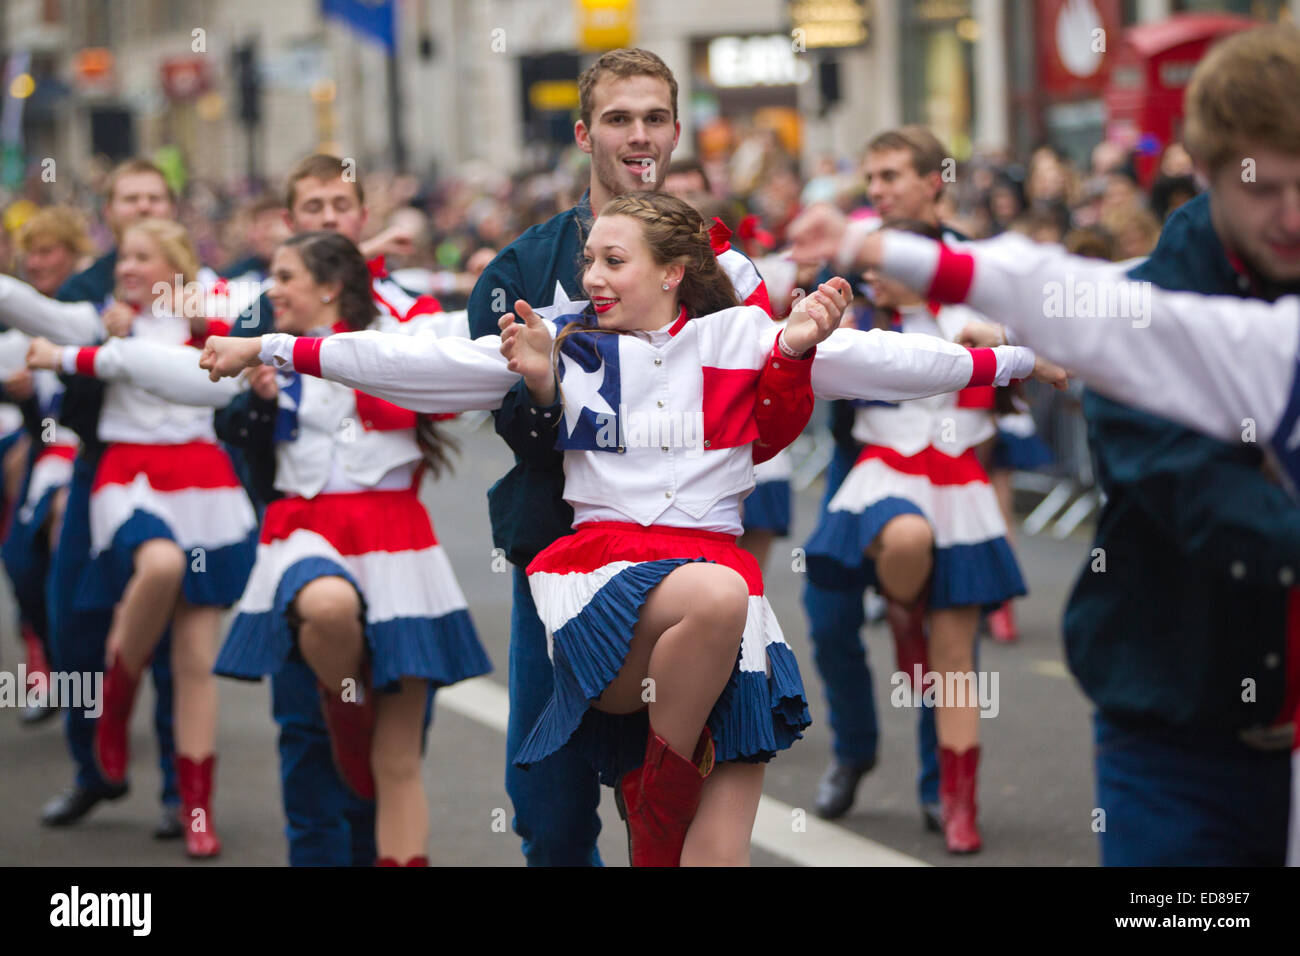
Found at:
(527, 506)
(82, 396)
(1191, 603)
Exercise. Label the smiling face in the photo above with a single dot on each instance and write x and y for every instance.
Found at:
(631, 137)
(296, 297)
(142, 266)
(330, 204)
(622, 279)
(1260, 220)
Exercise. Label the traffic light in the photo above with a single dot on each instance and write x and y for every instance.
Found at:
(248, 82)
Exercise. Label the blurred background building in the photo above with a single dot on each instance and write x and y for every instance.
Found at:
(233, 87)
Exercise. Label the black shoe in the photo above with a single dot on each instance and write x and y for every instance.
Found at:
(932, 817)
(169, 825)
(35, 715)
(838, 787)
(71, 805)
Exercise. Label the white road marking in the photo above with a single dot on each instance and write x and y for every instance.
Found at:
(1049, 668)
(817, 843)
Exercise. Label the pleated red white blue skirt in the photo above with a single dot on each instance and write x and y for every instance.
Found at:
(1018, 446)
(767, 507)
(25, 551)
(185, 493)
(589, 588)
(973, 563)
(382, 542)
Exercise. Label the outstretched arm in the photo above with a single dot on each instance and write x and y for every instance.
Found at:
(66, 323)
(168, 371)
(893, 366)
(422, 373)
(1213, 363)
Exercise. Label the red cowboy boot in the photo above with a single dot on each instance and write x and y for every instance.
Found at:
(386, 861)
(658, 800)
(194, 780)
(38, 671)
(112, 730)
(36, 660)
(1002, 624)
(908, 628)
(957, 780)
(417, 861)
(351, 726)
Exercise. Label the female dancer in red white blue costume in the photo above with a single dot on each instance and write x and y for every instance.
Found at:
(917, 518)
(171, 526)
(651, 602)
(349, 574)
(1226, 366)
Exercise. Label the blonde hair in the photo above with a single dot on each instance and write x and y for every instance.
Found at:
(1120, 220)
(174, 241)
(1244, 92)
(62, 224)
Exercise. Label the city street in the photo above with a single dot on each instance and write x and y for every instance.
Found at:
(1035, 795)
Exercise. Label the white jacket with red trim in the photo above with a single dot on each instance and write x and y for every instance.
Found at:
(329, 438)
(1223, 365)
(1226, 366)
(129, 413)
(952, 422)
(676, 449)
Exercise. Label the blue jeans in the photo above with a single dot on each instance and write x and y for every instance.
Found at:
(835, 619)
(78, 638)
(555, 800)
(1189, 799)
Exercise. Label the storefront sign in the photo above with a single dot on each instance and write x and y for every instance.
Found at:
(829, 23)
(755, 61)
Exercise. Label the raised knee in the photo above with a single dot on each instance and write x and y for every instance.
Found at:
(723, 600)
(908, 533)
(160, 559)
(328, 603)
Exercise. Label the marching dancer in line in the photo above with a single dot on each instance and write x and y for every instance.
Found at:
(651, 602)
(349, 576)
(171, 528)
(137, 190)
(629, 126)
(1228, 367)
(50, 244)
(917, 518)
(326, 823)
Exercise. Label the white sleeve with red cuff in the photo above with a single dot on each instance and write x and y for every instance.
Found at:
(170, 372)
(1214, 363)
(421, 372)
(63, 323)
(894, 367)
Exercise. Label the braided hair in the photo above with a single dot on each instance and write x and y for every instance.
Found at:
(674, 232)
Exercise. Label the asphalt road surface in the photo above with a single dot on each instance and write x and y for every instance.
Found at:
(1036, 789)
